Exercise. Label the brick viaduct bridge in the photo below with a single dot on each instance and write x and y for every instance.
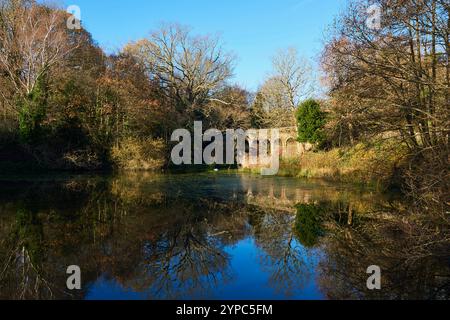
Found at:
(290, 148)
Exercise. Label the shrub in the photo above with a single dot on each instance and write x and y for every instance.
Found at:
(139, 154)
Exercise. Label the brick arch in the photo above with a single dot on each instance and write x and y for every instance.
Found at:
(292, 148)
(289, 146)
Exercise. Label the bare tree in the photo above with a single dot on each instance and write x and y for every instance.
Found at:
(190, 69)
(33, 39)
(293, 73)
(393, 81)
(272, 105)
(279, 96)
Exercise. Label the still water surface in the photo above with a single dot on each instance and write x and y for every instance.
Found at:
(200, 236)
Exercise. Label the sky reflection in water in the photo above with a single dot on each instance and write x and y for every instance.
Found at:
(201, 236)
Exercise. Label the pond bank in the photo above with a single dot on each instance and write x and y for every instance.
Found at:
(375, 165)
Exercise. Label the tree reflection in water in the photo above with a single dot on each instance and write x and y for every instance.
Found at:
(171, 237)
(412, 251)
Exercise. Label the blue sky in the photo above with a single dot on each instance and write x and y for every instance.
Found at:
(251, 29)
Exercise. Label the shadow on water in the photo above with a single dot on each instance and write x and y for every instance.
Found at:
(142, 236)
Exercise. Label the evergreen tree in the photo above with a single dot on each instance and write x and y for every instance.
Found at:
(311, 121)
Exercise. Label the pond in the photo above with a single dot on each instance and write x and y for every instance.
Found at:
(206, 236)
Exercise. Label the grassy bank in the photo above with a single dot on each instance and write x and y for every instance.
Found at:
(376, 164)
